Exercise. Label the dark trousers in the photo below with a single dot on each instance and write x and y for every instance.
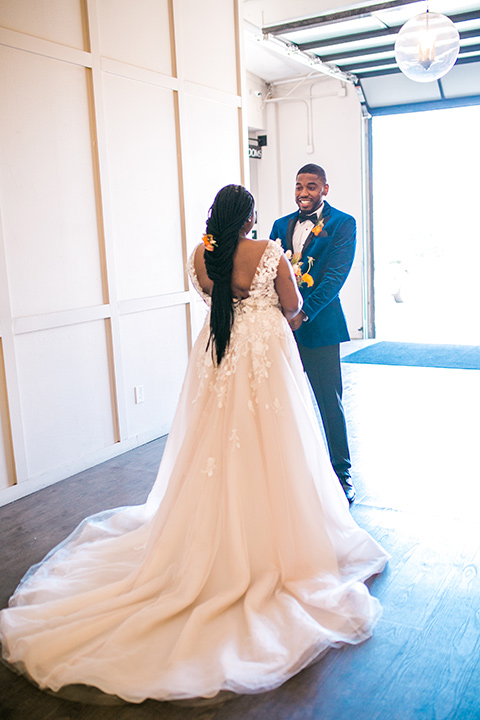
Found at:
(322, 366)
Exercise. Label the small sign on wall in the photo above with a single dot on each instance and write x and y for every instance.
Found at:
(255, 151)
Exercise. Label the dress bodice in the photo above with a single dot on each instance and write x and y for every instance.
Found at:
(262, 290)
(256, 318)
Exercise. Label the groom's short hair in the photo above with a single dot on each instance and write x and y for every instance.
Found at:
(313, 169)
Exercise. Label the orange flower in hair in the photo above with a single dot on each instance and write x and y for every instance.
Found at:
(209, 242)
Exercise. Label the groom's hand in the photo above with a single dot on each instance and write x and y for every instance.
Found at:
(297, 320)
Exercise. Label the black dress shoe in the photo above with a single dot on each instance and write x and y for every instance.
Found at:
(348, 488)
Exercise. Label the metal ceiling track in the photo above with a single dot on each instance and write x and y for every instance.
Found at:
(359, 67)
(335, 17)
(372, 34)
(308, 60)
(388, 47)
(396, 70)
(310, 53)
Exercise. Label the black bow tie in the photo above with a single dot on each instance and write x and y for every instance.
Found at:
(312, 217)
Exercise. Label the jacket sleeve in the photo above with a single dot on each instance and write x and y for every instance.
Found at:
(339, 264)
(274, 234)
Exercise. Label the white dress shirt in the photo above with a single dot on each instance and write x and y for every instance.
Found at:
(303, 230)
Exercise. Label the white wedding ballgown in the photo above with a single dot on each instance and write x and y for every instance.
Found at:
(244, 564)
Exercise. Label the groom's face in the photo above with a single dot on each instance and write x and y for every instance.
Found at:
(309, 192)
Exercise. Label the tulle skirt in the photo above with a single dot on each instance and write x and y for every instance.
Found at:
(243, 566)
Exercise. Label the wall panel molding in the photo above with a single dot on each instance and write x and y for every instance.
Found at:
(106, 231)
(220, 96)
(126, 307)
(40, 346)
(35, 323)
(116, 67)
(46, 48)
(7, 466)
(10, 399)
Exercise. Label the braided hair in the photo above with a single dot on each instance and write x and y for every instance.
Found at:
(232, 207)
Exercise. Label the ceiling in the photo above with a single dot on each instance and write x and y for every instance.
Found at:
(356, 44)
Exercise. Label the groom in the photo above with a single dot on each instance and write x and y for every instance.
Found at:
(327, 235)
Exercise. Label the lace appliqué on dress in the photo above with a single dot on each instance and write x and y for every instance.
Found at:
(211, 467)
(234, 439)
(256, 318)
(275, 405)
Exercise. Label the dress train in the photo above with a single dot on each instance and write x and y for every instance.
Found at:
(243, 566)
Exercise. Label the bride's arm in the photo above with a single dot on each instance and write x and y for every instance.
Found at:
(287, 289)
(201, 271)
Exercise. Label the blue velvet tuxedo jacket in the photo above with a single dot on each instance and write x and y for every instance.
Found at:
(333, 251)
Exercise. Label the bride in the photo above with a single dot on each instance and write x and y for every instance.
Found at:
(244, 565)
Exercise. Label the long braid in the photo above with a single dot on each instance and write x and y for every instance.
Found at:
(232, 207)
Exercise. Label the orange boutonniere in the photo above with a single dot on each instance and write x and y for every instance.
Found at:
(306, 278)
(318, 227)
(302, 278)
(209, 242)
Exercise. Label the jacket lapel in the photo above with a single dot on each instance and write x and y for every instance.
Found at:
(311, 237)
(308, 242)
(290, 228)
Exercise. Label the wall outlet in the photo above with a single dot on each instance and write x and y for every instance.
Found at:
(138, 394)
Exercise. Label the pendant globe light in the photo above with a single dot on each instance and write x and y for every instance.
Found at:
(427, 47)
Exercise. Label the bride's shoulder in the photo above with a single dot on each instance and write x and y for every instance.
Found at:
(198, 273)
(196, 251)
(193, 259)
(273, 250)
(265, 251)
(253, 248)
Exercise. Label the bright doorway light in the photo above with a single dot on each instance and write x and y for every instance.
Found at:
(426, 207)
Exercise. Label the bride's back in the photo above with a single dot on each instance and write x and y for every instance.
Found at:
(245, 262)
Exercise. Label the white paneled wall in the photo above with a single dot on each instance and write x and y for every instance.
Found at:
(47, 186)
(207, 44)
(144, 191)
(57, 20)
(65, 394)
(120, 121)
(212, 134)
(160, 330)
(137, 33)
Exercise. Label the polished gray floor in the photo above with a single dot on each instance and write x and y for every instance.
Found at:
(414, 435)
